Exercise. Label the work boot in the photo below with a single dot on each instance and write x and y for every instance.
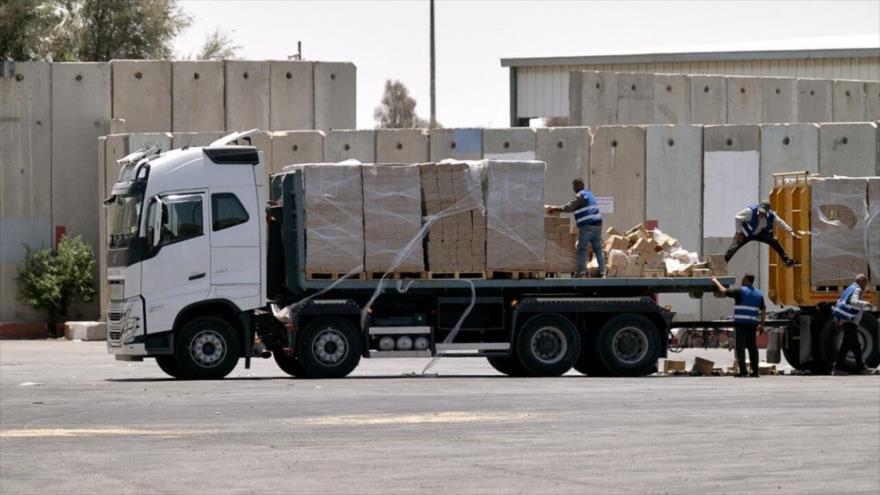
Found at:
(838, 372)
(791, 263)
(579, 275)
(864, 370)
(755, 374)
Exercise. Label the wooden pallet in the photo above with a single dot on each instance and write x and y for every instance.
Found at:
(516, 274)
(333, 276)
(455, 275)
(397, 275)
(558, 274)
(651, 273)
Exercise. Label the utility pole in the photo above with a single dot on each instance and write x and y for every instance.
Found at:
(433, 85)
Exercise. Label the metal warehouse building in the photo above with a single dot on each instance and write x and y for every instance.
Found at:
(539, 86)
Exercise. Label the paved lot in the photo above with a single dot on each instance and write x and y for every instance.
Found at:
(72, 420)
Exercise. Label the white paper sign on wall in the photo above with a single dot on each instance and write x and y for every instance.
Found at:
(606, 204)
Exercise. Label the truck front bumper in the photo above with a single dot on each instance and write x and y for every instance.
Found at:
(124, 325)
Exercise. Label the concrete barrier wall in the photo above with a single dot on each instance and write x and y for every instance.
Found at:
(292, 147)
(81, 111)
(402, 146)
(617, 174)
(247, 95)
(848, 149)
(25, 176)
(181, 139)
(673, 185)
(566, 150)
(459, 144)
(335, 95)
(292, 98)
(848, 101)
(744, 100)
(672, 95)
(608, 98)
(197, 90)
(142, 94)
(814, 100)
(345, 145)
(509, 144)
(731, 178)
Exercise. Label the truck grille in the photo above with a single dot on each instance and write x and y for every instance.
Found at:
(114, 315)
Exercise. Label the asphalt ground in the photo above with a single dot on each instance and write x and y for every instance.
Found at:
(73, 420)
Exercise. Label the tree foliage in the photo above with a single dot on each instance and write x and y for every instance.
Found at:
(52, 280)
(89, 30)
(397, 109)
(218, 46)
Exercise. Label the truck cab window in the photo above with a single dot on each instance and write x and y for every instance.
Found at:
(227, 211)
(181, 218)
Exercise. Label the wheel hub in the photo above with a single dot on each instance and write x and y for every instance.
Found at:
(630, 345)
(865, 342)
(549, 345)
(208, 348)
(330, 347)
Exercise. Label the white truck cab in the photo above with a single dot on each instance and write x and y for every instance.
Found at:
(186, 253)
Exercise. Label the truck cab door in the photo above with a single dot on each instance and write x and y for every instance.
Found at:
(235, 246)
(176, 269)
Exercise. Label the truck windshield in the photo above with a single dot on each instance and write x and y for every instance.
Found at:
(125, 214)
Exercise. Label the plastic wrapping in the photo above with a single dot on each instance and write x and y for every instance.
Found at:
(560, 245)
(453, 200)
(515, 215)
(838, 220)
(334, 217)
(872, 227)
(392, 217)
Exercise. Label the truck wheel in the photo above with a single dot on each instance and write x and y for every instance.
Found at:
(207, 348)
(168, 364)
(628, 345)
(830, 339)
(330, 347)
(791, 349)
(289, 364)
(548, 345)
(510, 366)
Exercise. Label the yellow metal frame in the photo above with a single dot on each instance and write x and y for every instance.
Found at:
(790, 199)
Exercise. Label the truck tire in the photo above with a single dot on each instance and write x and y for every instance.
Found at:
(548, 345)
(169, 365)
(792, 351)
(289, 364)
(207, 348)
(330, 347)
(830, 338)
(510, 366)
(628, 345)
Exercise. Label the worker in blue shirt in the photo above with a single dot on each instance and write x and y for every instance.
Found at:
(749, 313)
(848, 312)
(589, 222)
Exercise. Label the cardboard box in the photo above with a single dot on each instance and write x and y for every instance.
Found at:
(392, 217)
(701, 272)
(703, 366)
(612, 231)
(837, 220)
(616, 242)
(515, 215)
(717, 264)
(452, 192)
(334, 218)
(671, 365)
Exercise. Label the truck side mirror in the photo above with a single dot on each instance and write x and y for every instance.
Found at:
(157, 224)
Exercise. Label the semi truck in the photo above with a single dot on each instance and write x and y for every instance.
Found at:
(199, 269)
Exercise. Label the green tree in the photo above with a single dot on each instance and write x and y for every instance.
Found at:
(52, 280)
(89, 30)
(218, 46)
(397, 109)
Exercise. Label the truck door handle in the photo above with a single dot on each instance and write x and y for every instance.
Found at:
(197, 276)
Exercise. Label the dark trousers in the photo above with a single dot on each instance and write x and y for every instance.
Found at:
(850, 343)
(746, 336)
(767, 239)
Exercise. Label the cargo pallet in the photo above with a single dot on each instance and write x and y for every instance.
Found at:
(334, 276)
(396, 275)
(516, 274)
(455, 275)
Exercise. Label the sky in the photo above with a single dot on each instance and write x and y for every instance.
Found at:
(389, 39)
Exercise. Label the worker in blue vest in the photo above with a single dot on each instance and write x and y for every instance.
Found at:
(848, 312)
(755, 223)
(589, 222)
(749, 312)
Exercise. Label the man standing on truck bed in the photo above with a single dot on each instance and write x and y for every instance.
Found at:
(589, 222)
(748, 318)
(848, 313)
(755, 223)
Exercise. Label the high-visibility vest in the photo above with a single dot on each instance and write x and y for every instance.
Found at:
(749, 228)
(748, 309)
(843, 310)
(589, 213)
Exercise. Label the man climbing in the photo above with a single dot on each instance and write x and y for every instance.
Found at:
(755, 223)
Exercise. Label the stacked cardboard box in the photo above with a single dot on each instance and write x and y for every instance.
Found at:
(837, 220)
(515, 215)
(452, 199)
(392, 218)
(334, 218)
(561, 245)
(873, 227)
(650, 253)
